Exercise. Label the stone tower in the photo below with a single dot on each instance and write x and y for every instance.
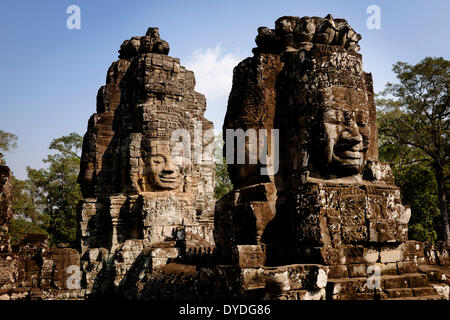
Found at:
(147, 170)
(306, 82)
(328, 208)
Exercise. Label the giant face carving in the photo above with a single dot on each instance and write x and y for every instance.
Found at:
(343, 138)
(346, 138)
(164, 173)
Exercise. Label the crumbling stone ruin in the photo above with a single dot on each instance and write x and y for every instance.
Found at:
(317, 216)
(137, 194)
(331, 212)
(31, 270)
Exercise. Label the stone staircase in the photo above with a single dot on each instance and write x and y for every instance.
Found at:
(402, 283)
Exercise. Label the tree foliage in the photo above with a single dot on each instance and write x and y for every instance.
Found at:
(8, 142)
(413, 123)
(25, 201)
(223, 183)
(20, 227)
(419, 190)
(48, 198)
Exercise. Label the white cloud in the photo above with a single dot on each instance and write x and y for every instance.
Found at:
(213, 69)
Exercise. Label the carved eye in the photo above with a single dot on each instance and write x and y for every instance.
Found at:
(348, 116)
(158, 159)
(331, 116)
(362, 118)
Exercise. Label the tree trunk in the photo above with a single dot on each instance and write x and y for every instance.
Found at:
(442, 193)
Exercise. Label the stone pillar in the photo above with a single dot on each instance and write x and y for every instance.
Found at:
(136, 190)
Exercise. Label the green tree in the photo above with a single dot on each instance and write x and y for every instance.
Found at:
(27, 214)
(48, 198)
(419, 190)
(20, 227)
(414, 123)
(8, 142)
(223, 183)
(25, 201)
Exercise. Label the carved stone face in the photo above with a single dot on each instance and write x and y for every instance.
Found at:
(286, 24)
(305, 29)
(345, 140)
(145, 45)
(164, 174)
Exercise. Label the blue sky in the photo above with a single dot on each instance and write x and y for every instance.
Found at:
(50, 75)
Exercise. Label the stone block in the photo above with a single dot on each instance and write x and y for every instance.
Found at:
(424, 291)
(371, 255)
(277, 280)
(308, 277)
(253, 278)
(347, 286)
(353, 254)
(391, 253)
(399, 292)
(338, 271)
(388, 268)
(407, 267)
(319, 294)
(357, 270)
(394, 282)
(247, 256)
(414, 250)
(418, 280)
(383, 230)
(165, 253)
(158, 262)
(352, 234)
(442, 290)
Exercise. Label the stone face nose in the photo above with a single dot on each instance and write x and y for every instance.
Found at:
(351, 134)
(169, 168)
(168, 171)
